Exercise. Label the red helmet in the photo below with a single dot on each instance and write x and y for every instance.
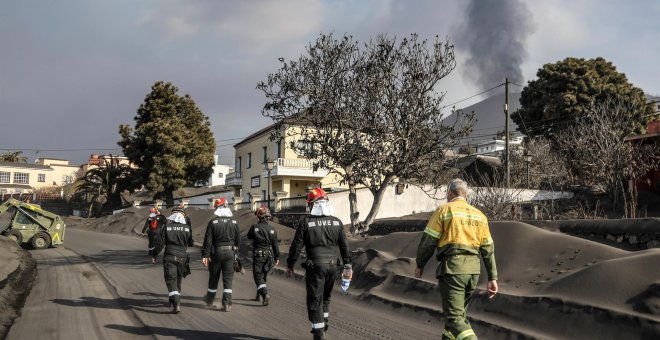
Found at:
(262, 212)
(220, 202)
(154, 210)
(315, 194)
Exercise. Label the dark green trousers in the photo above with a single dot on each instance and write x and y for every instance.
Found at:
(457, 290)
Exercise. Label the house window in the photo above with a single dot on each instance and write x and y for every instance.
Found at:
(279, 149)
(41, 178)
(4, 176)
(221, 175)
(238, 165)
(305, 148)
(249, 165)
(21, 178)
(265, 149)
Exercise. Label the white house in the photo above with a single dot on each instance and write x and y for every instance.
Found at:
(497, 145)
(219, 174)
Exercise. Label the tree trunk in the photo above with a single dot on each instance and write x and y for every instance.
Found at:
(169, 197)
(352, 199)
(378, 198)
(352, 202)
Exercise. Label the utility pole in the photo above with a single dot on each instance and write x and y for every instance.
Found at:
(506, 130)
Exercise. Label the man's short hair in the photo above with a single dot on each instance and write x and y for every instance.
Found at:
(458, 187)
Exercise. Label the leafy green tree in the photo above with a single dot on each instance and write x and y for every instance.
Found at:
(566, 89)
(171, 143)
(14, 157)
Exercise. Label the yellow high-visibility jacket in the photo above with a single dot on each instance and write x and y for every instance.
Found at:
(460, 233)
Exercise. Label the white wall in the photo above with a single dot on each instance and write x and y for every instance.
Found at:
(204, 199)
(415, 200)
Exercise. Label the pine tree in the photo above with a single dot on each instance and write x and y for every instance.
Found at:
(171, 143)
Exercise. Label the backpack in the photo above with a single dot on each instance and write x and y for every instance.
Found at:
(153, 224)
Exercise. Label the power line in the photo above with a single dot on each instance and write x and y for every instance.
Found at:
(225, 140)
(470, 97)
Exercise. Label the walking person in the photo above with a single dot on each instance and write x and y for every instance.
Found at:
(153, 225)
(265, 252)
(175, 237)
(321, 234)
(458, 233)
(221, 243)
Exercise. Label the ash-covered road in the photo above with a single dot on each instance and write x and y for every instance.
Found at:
(103, 286)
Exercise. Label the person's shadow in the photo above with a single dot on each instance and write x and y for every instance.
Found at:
(184, 333)
(152, 305)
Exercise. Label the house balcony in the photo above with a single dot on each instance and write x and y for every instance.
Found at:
(291, 167)
(234, 179)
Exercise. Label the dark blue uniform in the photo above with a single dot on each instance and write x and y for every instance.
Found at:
(221, 242)
(321, 236)
(265, 252)
(175, 238)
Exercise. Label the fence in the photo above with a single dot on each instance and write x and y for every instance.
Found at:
(264, 202)
(32, 197)
(244, 205)
(292, 202)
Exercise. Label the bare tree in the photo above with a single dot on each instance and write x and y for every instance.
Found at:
(599, 155)
(370, 114)
(546, 169)
(493, 197)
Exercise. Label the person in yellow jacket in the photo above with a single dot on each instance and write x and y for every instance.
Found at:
(460, 234)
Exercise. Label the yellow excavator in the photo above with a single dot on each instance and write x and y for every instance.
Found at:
(32, 225)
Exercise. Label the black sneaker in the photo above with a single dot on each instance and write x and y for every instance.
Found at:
(226, 308)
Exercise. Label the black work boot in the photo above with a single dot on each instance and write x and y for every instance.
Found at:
(226, 302)
(263, 293)
(318, 334)
(208, 299)
(174, 301)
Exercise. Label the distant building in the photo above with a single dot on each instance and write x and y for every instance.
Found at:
(291, 176)
(219, 175)
(102, 160)
(497, 146)
(651, 181)
(45, 173)
(63, 172)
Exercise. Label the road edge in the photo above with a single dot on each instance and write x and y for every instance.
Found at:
(15, 288)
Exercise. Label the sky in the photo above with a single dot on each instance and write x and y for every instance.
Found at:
(72, 71)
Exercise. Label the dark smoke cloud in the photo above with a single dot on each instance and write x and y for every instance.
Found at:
(494, 35)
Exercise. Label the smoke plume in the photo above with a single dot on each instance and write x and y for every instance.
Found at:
(494, 36)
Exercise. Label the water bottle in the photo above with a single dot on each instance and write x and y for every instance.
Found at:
(346, 277)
